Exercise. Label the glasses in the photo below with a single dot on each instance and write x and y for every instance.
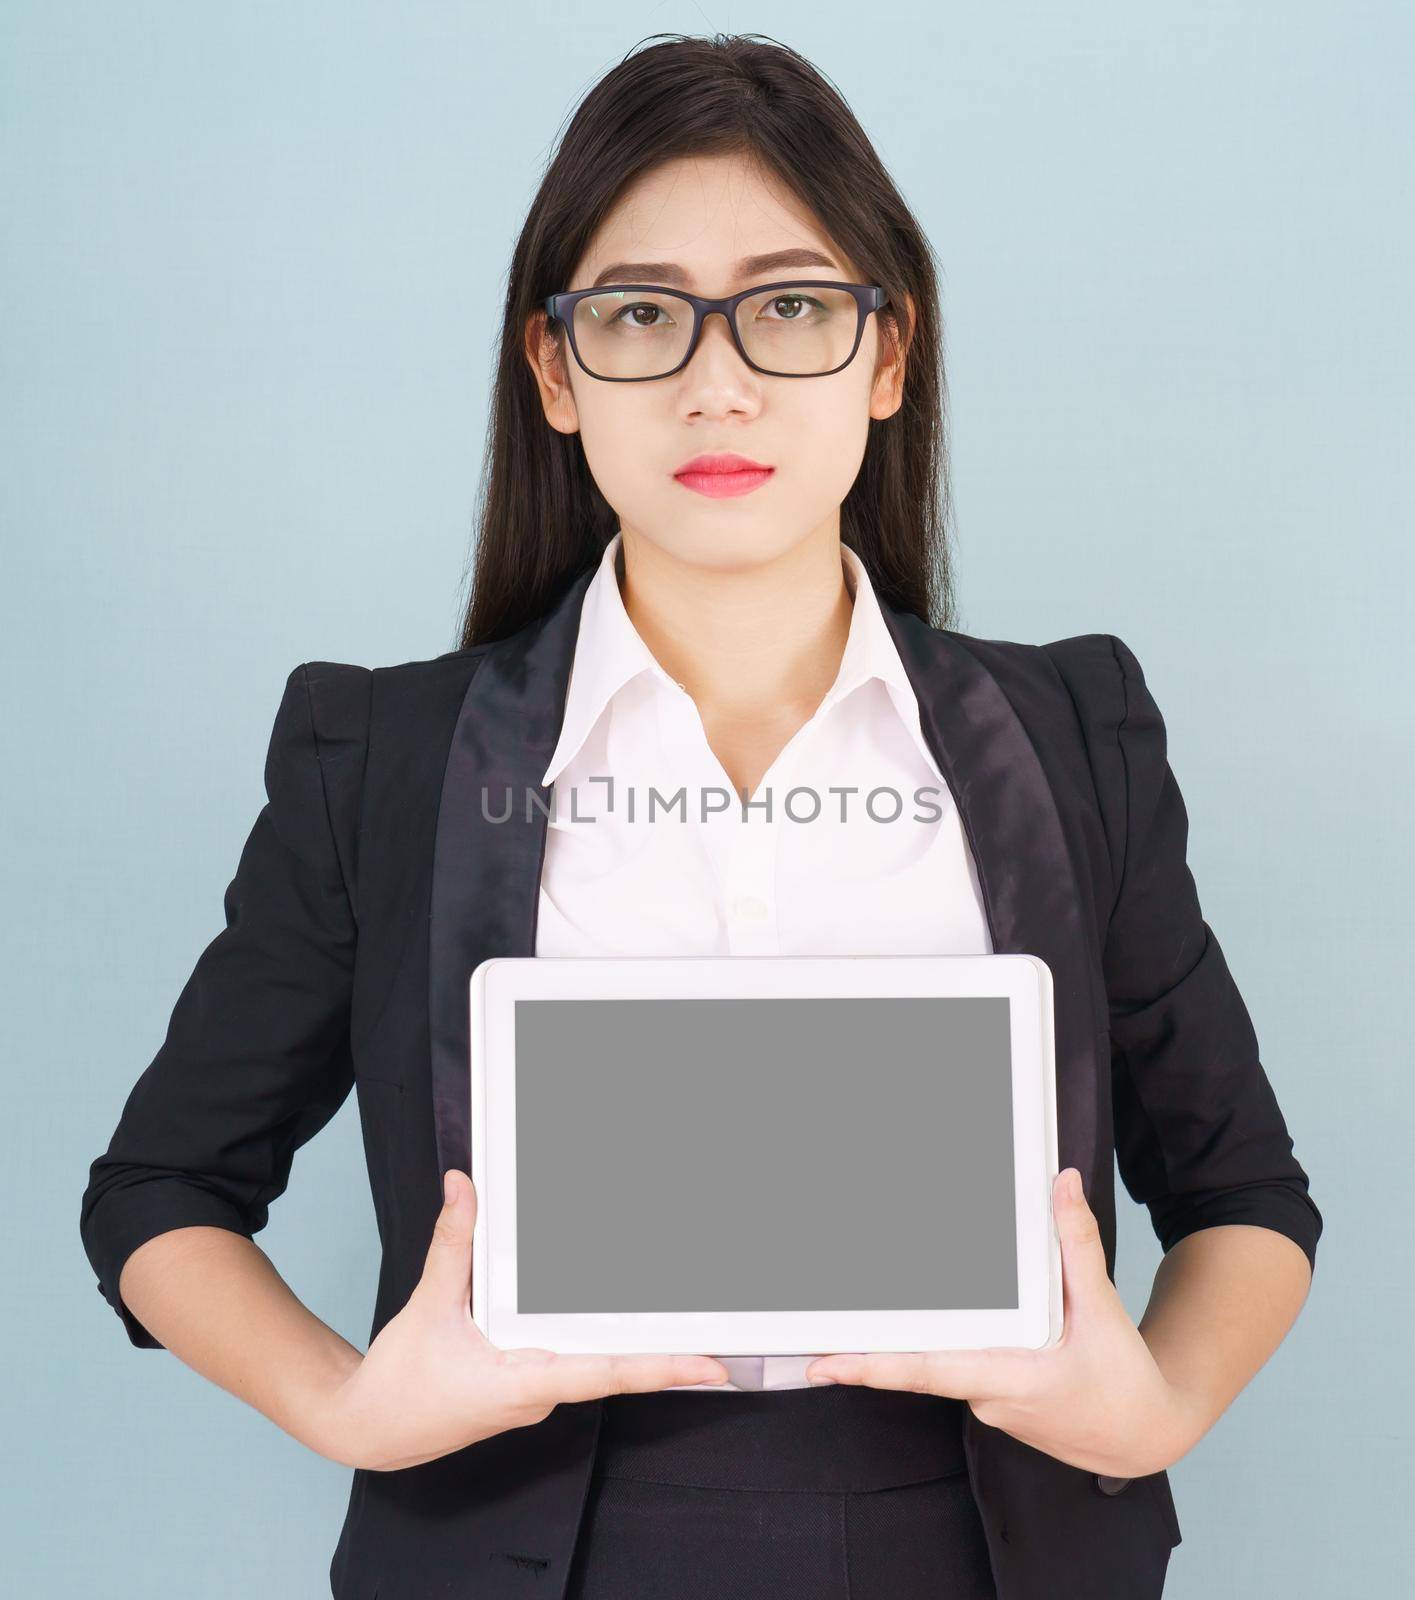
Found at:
(630, 333)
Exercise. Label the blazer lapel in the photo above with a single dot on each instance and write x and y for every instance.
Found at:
(486, 872)
(1026, 870)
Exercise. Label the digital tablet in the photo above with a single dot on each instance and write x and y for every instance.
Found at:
(764, 1155)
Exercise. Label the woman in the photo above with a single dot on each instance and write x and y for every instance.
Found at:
(709, 552)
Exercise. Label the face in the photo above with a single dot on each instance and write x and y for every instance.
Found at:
(705, 215)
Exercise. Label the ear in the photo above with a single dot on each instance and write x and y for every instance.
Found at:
(545, 353)
(896, 332)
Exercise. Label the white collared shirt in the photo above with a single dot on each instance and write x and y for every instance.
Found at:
(628, 872)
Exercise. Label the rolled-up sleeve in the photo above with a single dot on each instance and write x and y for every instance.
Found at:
(256, 1056)
(1200, 1138)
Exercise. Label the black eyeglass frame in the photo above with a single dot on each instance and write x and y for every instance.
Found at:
(868, 297)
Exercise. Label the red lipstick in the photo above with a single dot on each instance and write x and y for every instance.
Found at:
(719, 476)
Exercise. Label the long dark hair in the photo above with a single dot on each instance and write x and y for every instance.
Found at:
(541, 519)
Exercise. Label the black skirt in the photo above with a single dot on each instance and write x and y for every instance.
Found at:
(835, 1493)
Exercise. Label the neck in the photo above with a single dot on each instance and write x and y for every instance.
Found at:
(767, 638)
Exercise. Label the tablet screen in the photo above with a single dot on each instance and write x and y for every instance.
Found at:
(764, 1154)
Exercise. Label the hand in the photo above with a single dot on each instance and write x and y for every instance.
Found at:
(1096, 1399)
(432, 1383)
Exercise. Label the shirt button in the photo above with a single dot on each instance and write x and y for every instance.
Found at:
(748, 908)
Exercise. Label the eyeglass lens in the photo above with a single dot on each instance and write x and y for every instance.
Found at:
(644, 333)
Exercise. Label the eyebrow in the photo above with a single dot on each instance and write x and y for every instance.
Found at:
(747, 267)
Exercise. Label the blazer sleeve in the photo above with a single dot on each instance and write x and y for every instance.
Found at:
(256, 1056)
(1200, 1139)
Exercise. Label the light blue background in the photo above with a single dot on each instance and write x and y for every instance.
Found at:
(253, 265)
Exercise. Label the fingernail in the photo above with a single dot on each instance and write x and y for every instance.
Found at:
(1073, 1185)
(447, 1188)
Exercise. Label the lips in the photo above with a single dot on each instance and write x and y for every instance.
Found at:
(729, 462)
(721, 476)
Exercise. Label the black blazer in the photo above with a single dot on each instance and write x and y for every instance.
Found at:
(372, 884)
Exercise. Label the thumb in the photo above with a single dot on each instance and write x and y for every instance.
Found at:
(1082, 1252)
(447, 1269)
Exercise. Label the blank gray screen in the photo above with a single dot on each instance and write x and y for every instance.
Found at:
(764, 1155)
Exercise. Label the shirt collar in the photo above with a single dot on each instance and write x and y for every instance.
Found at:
(609, 652)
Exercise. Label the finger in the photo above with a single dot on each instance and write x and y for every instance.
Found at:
(588, 1377)
(1083, 1270)
(447, 1267)
(996, 1373)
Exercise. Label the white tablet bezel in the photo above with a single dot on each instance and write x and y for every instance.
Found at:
(1025, 980)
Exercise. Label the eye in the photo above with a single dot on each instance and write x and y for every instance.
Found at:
(639, 305)
(794, 300)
